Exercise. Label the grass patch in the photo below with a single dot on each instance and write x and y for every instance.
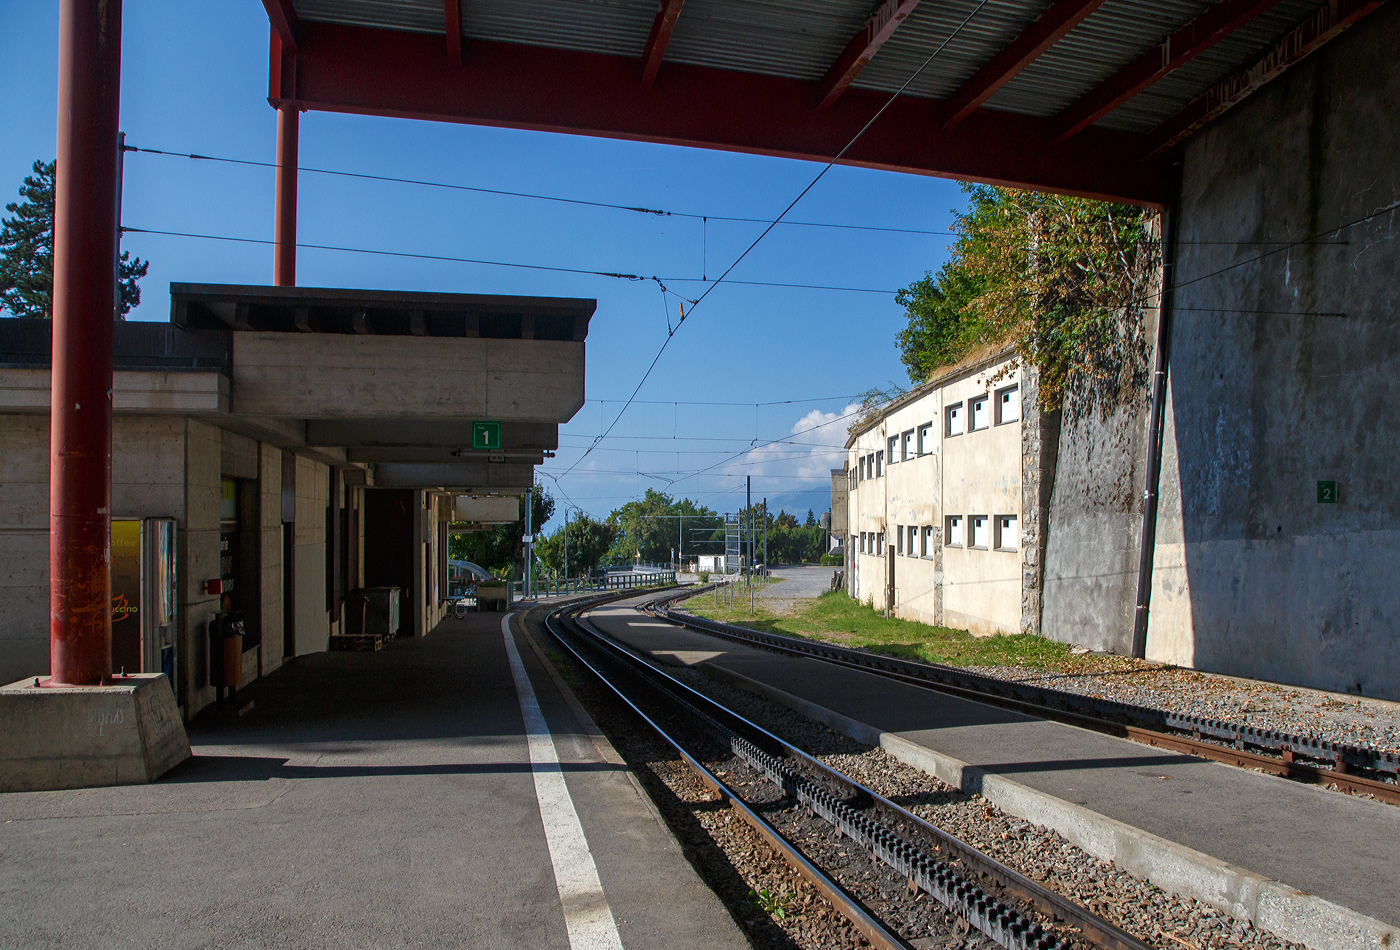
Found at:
(836, 618)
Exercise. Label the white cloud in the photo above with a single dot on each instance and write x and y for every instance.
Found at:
(815, 445)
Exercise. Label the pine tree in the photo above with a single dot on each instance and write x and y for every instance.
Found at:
(26, 252)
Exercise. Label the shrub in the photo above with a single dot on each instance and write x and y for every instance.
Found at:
(704, 577)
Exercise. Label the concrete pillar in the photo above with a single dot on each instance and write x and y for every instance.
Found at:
(80, 462)
(284, 266)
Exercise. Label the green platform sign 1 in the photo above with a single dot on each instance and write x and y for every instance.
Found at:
(486, 435)
(1326, 493)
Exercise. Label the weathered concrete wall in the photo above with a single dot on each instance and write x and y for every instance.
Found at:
(1293, 380)
(316, 376)
(24, 547)
(1095, 527)
(199, 547)
(147, 482)
(313, 626)
(270, 537)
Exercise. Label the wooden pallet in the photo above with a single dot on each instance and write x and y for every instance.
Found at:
(359, 643)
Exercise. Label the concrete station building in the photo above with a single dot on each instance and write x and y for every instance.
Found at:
(305, 443)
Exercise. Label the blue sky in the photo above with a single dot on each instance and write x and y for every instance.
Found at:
(194, 79)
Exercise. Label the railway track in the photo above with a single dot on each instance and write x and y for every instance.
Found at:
(800, 806)
(1352, 769)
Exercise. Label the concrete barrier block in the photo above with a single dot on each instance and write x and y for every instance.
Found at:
(54, 737)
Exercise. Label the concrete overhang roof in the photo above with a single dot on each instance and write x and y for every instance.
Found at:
(388, 382)
(378, 312)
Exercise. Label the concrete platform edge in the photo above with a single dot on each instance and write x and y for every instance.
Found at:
(1271, 905)
(600, 741)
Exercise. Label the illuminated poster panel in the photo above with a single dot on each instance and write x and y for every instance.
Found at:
(126, 596)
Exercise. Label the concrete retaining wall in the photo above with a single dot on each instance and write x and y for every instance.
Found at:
(1286, 372)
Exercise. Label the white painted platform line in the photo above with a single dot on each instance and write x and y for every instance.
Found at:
(587, 915)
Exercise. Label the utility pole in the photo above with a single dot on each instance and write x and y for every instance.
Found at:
(748, 574)
(765, 538)
(748, 504)
(525, 588)
(566, 546)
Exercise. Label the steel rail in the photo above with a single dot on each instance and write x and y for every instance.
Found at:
(845, 903)
(1191, 735)
(933, 876)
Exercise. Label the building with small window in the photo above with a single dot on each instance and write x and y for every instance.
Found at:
(935, 500)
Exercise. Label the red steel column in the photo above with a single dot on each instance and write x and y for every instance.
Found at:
(80, 454)
(284, 266)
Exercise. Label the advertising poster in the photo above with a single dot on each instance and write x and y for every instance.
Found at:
(126, 596)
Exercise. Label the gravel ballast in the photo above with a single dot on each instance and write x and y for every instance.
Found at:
(1139, 907)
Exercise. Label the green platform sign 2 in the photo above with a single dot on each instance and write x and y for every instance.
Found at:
(1326, 493)
(486, 435)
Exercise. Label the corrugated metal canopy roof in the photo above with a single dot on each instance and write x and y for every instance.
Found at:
(800, 77)
(800, 39)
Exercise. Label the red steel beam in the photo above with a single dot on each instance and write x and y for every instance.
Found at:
(452, 26)
(1212, 26)
(283, 17)
(1035, 39)
(393, 73)
(1322, 27)
(887, 18)
(80, 421)
(284, 261)
(660, 38)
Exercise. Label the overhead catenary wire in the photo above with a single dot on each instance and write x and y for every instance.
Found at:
(447, 258)
(704, 218)
(819, 176)
(452, 186)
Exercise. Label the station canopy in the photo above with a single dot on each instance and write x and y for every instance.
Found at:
(1077, 96)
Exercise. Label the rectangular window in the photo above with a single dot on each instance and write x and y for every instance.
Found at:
(898, 539)
(979, 532)
(952, 531)
(879, 464)
(862, 468)
(906, 448)
(880, 544)
(892, 444)
(927, 548)
(1008, 405)
(953, 420)
(926, 438)
(980, 410)
(862, 543)
(1005, 530)
(913, 540)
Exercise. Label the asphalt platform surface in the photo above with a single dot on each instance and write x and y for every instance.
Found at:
(1333, 845)
(368, 800)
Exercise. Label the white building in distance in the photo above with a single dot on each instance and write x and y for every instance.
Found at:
(937, 502)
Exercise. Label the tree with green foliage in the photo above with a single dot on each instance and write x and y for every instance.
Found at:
(652, 526)
(500, 549)
(26, 252)
(789, 541)
(1064, 280)
(589, 539)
